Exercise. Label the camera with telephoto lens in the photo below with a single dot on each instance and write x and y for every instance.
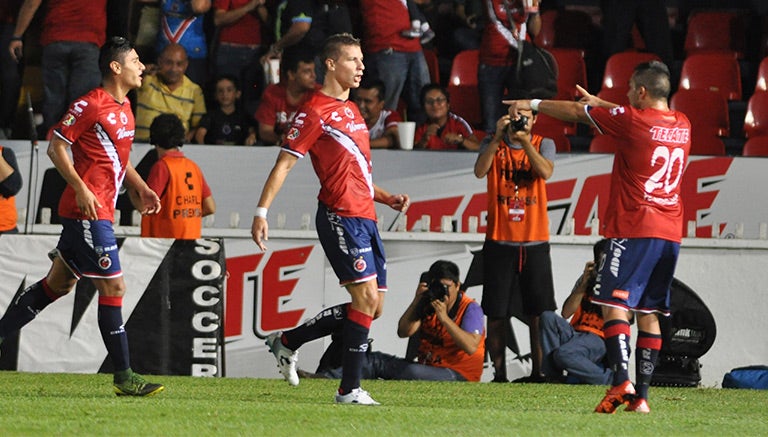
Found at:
(436, 290)
(520, 124)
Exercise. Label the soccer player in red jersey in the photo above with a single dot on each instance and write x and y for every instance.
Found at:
(331, 129)
(643, 221)
(99, 128)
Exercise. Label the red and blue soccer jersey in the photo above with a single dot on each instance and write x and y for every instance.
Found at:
(335, 135)
(100, 132)
(652, 149)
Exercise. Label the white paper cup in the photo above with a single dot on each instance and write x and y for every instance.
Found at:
(406, 130)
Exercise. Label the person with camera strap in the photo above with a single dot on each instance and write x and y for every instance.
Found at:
(517, 265)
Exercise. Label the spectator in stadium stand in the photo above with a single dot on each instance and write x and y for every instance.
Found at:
(516, 165)
(72, 33)
(505, 21)
(239, 24)
(182, 22)
(226, 124)
(185, 196)
(10, 68)
(167, 90)
(10, 184)
(331, 130)
(449, 327)
(382, 123)
(443, 129)
(281, 100)
(393, 55)
(98, 127)
(576, 348)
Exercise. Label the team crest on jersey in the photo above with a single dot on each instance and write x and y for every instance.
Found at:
(69, 120)
(293, 134)
(348, 112)
(360, 265)
(105, 262)
(123, 118)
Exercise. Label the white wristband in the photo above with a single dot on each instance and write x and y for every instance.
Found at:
(261, 212)
(535, 104)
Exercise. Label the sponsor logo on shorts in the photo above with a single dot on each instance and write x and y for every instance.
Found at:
(360, 265)
(620, 294)
(69, 120)
(355, 251)
(105, 262)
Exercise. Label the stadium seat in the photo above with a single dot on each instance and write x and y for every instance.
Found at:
(615, 95)
(572, 71)
(762, 76)
(602, 144)
(619, 68)
(756, 146)
(545, 123)
(562, 143)
(707, 110)
(432, 63)
(565, 28)
(707, 144)
(712, 71)
(712, 30)
(462, 86)
(756, 119)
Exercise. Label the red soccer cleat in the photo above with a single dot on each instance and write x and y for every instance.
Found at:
(638, 405)
(616, 396)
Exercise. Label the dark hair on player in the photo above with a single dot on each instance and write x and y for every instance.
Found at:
(113, 50)
(166, 131)
(654, 77)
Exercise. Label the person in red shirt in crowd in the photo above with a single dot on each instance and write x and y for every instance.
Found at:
(185, 196)
(99, 129)
(443, 129)
(73, 31)
(331, 130)
(391, 56)
(507, 24)
(281, 100)
(382, 123)
(643, 220)
(240, 25)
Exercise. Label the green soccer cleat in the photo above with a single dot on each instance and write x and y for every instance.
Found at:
(136, 385)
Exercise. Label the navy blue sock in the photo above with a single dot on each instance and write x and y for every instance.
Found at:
(323, 324)
(356, 330)
(113, 331)
(617, 334)
(648, 347)
(25, 307)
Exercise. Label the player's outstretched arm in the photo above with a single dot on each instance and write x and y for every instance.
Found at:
(260, 227)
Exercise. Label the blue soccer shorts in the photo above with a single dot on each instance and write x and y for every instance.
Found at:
(353, 247)
(89, 248)
(636, 273)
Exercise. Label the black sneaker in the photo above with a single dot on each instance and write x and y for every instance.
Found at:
(135, 385)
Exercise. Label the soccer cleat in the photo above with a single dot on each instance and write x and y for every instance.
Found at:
(616, 396)
(638, 405)
(286, 358)
(135, 385)
(357, 396)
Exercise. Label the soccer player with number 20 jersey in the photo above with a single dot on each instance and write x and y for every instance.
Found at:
(643, 221)
(99, 128)
(330, 128)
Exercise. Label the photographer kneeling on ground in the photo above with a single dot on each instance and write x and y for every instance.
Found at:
(451, 329)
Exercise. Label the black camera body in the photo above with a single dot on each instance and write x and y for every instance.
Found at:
(519, 124)
(436, 290)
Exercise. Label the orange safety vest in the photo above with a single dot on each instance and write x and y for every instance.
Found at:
(438, 349)
(8, 215)
(181, 215)
(511, 168)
